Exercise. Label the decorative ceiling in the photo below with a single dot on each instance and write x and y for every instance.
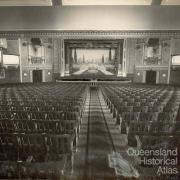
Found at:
(86, 2)
(26, 3)
(170, 2)
(106, 2)
(120, 2)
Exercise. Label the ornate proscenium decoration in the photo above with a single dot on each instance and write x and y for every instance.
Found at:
(152, 52)
(152, 61)
(36, 51)
(37, 60)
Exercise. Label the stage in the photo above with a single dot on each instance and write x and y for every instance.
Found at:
(98, 76)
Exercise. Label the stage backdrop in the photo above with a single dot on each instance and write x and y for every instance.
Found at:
(93, 61)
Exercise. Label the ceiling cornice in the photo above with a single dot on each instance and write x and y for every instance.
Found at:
(92, 34)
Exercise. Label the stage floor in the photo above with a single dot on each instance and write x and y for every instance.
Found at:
(87, 76)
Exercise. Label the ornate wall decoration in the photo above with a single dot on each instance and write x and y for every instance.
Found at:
(152, 61)
(88, 34)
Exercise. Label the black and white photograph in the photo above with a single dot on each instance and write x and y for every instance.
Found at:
(90, 89)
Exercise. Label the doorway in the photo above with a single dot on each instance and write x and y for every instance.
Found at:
(150, 77)
(37, 76)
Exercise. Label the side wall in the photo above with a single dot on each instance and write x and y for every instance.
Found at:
(160, 64)
(12, 74)
(28, 66)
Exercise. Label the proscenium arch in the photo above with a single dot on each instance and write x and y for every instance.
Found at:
(116, 44)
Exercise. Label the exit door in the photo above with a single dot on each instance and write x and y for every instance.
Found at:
(37, 76)
(150, 77)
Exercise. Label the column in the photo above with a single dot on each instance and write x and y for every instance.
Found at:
(56, 57)
(43, 76)
(75, 56)
(160, 50)
(124, 69)
(1, 63)
(70, 61)
(20, 64)
(116, 61)
(144, 77)
(31, 75)
(67, 58)
(170, 59)
(160, 53)
(62, 58)
(144, 54)
(1, 56)
(110, 56)
(120, 59)
(3, 44)
(157, 77)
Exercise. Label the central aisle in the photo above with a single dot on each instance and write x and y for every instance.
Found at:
(99, 142)
(95, 141)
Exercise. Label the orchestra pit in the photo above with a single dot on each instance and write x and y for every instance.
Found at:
(90, 90)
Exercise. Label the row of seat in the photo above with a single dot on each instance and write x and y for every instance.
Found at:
(15, 146)
(39, 126)
(157, 112)
(41, 108)
(70, 114)
(26, 92)
(26, 171)
(40, 120)
(148, 115)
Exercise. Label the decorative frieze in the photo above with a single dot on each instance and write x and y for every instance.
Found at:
(88, 34)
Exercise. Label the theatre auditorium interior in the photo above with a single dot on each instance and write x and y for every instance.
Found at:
(90, 89)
